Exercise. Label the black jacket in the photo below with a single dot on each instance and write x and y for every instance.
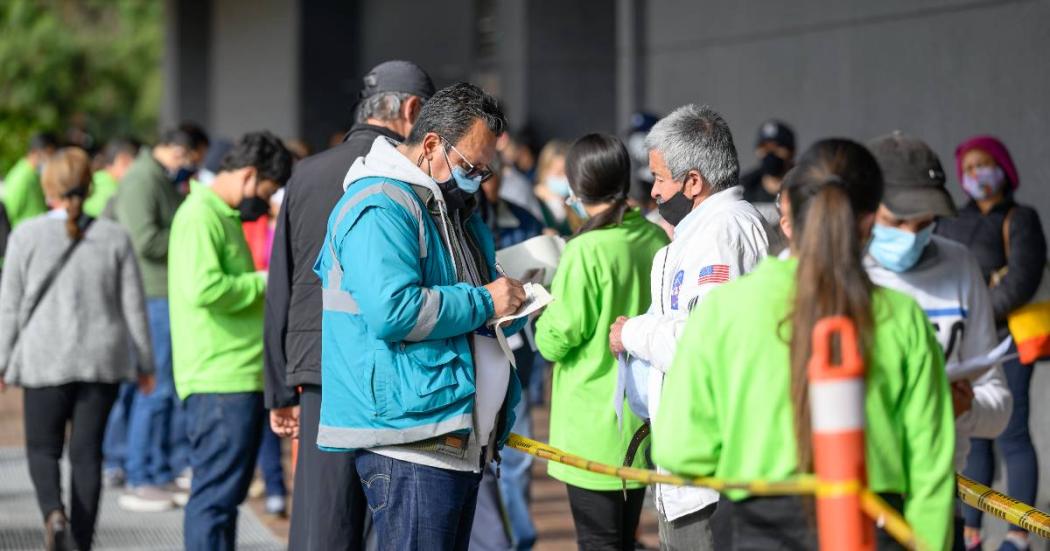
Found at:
(983, 235)
(292, 337)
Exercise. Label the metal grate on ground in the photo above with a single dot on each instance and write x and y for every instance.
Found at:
(21, 527)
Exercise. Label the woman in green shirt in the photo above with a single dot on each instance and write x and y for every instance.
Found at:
(604, 273)
(737, 405)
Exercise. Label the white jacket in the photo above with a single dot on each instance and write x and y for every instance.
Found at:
(721, 239)
(948, 285)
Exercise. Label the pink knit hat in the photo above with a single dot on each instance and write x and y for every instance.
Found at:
(992, 146)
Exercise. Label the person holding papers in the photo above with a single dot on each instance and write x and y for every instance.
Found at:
(944, 278)
(604, 272)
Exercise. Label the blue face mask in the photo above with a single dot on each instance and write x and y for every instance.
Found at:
(559, 185)
(469, 185)
(577, 206)
(898, 250)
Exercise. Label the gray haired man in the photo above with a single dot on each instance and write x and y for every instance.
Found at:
(718, 236)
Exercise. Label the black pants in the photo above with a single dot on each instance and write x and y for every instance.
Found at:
(328, 504)
(780, 524)
(605, 521)
(47, 410)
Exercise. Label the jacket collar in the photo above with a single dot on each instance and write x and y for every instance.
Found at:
(713, 204)
(385, 161)
(371, 128)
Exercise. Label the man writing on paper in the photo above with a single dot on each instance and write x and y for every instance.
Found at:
(717, 236)
(943, 277)
(411, 374)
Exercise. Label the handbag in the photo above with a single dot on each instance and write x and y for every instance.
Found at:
(1030, 324)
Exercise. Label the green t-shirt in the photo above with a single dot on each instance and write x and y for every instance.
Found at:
(103, 186)
(216, 299)
(726, 409)
(23, 196)
(603, 274)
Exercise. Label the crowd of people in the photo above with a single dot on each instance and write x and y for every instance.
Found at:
(184, 306)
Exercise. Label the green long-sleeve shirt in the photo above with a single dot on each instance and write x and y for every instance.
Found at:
(216, 300)
(23, 196)
(145, 204)
(727, 412)
(103, 186)
(602, 274)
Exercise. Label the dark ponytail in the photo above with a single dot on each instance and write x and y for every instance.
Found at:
(599, 171)
(67, 175)
(836, 182)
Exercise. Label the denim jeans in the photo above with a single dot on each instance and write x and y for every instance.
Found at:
(1015, 445)
(224, 431)
(156, 452)
(270, 462)
(516, 470)
(115, 443)
(416, 507)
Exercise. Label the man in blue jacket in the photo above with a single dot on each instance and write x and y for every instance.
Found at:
(412, 374)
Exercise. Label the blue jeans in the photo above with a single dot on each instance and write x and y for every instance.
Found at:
(516, 470)
(224, 431)
(1015, 444)
(115, 442)
(270, 462)
(156, 438)
(416, 507)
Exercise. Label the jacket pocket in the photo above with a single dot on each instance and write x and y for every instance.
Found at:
(426, 377)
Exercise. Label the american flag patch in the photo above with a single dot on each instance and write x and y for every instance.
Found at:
(715, 273)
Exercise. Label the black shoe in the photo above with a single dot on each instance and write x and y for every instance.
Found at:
(57, 536)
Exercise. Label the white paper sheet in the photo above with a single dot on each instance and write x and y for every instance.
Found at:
(536, 297)
(976, 366)
(542, 252)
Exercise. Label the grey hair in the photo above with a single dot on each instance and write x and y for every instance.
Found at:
(697, 138)
(385, 106)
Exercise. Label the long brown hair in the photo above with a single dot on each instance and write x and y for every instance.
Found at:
(67, 175)
(835, 183)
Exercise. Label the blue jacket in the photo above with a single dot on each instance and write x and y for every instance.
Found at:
(396, 362)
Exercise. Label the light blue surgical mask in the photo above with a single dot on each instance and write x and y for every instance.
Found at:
(577, 206)
(469, 185)
(898, 250)
(559, 185)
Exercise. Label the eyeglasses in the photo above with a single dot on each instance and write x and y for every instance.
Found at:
(473, 171)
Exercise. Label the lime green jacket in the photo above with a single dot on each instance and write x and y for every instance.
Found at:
(103, 186)
(216, 299)
(602, 274)
(727, 412)
(23, 196)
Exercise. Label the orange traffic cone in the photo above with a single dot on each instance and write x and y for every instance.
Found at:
(836, 401)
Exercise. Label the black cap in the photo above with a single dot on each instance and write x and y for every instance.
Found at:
(398, 76)
(913, 175)
(777, 132)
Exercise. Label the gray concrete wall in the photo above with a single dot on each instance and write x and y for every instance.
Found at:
(940, 69)
(254, 67)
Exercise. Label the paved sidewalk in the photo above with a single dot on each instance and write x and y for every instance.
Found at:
(21, 527)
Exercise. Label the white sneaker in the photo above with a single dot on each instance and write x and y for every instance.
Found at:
(146, 499)
(179, 496)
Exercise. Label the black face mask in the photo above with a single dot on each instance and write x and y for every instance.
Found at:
(773, 165)
(252, 208)
(675, 209)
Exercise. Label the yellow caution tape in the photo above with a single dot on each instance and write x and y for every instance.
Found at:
(1005, 507)
(873, 506)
